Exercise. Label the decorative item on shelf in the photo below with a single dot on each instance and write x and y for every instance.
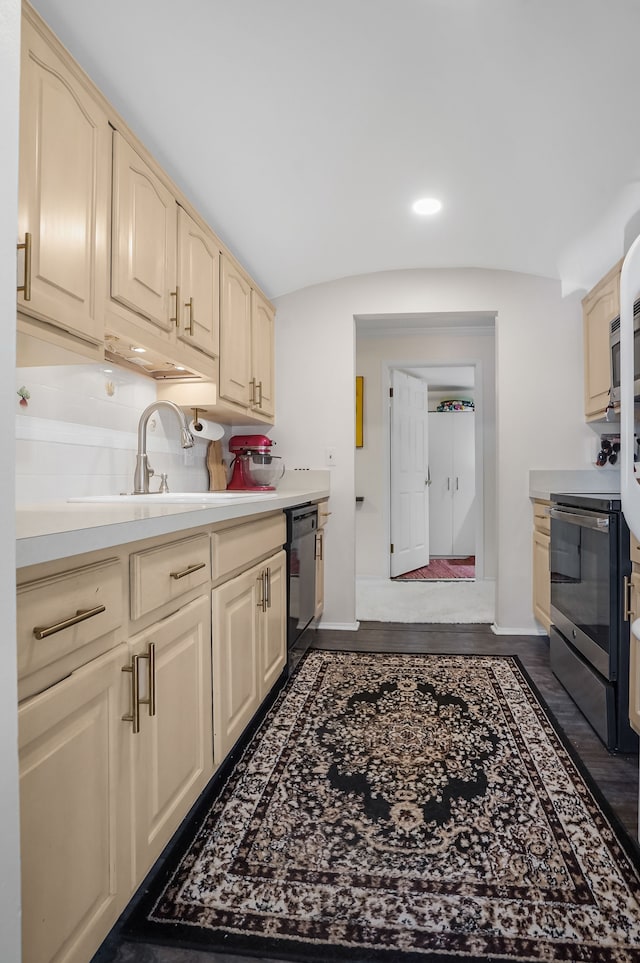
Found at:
(456, 404)
(610, 412)
(24, 395)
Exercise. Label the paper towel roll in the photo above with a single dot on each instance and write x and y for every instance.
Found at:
(208, 430)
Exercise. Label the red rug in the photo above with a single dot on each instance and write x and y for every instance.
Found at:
(442, 568)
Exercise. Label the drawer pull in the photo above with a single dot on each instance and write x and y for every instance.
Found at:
(176, 294)
(151, 677)
(259, 394)
(134, 716)
(318, 552)
(188, 571)
(628, 611)
(267, 585)
(189, 327)
(81, 615)
(252, 386)
(25, 287)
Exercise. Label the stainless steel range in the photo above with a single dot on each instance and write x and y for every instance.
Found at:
(590, 571)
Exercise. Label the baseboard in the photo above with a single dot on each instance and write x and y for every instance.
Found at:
(499, 630)
(339, 626)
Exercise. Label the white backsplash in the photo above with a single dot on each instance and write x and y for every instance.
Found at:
(78, 434)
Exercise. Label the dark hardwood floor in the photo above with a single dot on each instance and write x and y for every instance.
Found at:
(615, 774)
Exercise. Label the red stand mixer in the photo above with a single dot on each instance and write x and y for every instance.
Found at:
(253, 468)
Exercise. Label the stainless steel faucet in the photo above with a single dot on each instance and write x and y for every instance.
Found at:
(144, 471)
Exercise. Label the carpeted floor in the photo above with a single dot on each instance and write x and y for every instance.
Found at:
(404, 808)
(442, 568)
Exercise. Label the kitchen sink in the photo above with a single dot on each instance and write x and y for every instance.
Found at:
(176, 498)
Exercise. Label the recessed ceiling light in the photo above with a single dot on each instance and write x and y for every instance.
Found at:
(427, 205)
(138, 350)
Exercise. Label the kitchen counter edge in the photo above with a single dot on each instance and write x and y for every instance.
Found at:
(60, 530)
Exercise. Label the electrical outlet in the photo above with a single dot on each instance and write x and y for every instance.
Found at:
(331, 456)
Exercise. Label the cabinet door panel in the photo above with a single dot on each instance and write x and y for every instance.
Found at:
(464, 484)
(198, 273)
(441, 487)
(235, 657)
(541, 580)
(173, 757)
(600, 307)
(262, 337)
(273, 643)
(143, 243)
(64, 156)
(235, 334)
(74, 800)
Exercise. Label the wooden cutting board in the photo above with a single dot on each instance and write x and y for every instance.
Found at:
(216, 467)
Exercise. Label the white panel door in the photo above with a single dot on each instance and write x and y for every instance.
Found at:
(409, 499)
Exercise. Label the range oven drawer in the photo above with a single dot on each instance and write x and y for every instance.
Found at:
(594, 696)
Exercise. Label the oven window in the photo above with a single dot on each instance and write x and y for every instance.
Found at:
(580, 578)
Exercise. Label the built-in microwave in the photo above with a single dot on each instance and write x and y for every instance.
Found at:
(615, 355)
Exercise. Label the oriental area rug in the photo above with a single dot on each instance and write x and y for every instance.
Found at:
(442, 569)
(404, 808)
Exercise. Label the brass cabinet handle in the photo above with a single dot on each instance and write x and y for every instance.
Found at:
(176, 294)
(134, 716)
(151, 679)
(189, 327)
(628, 611)
(25, 288)
(252, 386)
(188, 571)
(81, 615)
(259, 394)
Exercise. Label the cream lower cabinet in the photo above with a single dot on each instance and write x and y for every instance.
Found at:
(541, 567)
(323, 515)
(75, 811)
(172, 754)
(249, 646)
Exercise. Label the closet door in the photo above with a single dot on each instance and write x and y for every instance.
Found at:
(463, 536)
(440, 489)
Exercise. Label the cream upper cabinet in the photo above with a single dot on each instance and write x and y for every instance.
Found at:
(63, 192)
(75, 811)
(143, 238)
(172, 754)
(599, 308)
(198, 321)
(246, 343)
(235, 333)
(262, 344)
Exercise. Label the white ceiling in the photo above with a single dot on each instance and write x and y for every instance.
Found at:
(303, 130)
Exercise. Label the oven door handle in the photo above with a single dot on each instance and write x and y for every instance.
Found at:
(597, 523)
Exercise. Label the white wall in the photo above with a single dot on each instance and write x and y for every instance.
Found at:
(373, 355)
(539, 382)
(9, 828)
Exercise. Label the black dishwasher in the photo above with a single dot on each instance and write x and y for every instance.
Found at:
(302, 524)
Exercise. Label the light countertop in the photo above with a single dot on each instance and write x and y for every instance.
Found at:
(542, 483)
(49, 531)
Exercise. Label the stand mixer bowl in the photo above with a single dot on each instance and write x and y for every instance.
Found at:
(254, 468)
